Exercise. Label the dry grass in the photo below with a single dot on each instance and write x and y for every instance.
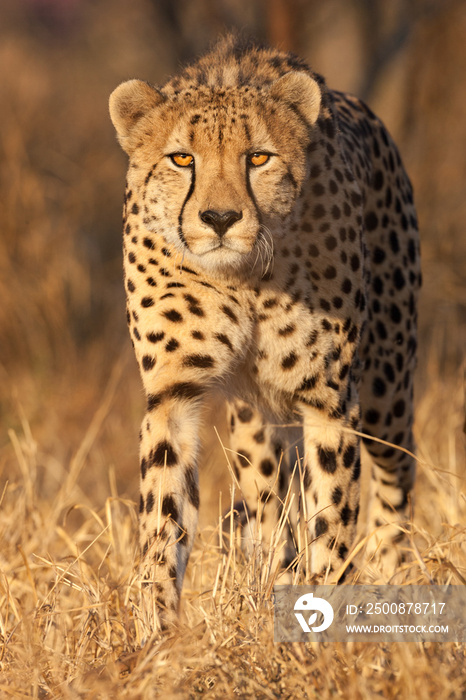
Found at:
(69, 597)
(72, 403)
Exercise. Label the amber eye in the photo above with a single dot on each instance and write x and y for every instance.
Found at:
(184, 160)
(259, 158)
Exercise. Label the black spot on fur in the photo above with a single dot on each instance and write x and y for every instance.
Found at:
(192, 488)
(308, 383)
(289, 361)
(379, 387)
(269, 303)
(337, 495)
(342, 551)
(149, 502)
(356, 470)
(399, 408)
(154, 400)
(164, 454)
(169, 507)
(312, 338)
(259, 436)
(348, 456)
(267, 467)
(244, 458)
(230, 313)
(173, 315)
(200, 361)
(172, 345)
(378, 180)
(371, 221)
(394, 243)
(321, 526)
(245, 414)
(148, 362)
(185, 390)
(327, 459)
(346, 514)
(372, 416)
(222, 338)
(399, 278)
(287, 330)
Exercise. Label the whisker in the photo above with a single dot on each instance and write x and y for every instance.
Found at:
(266, 248)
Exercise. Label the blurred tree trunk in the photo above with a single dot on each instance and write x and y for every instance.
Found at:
(386, 28)
(281, 23)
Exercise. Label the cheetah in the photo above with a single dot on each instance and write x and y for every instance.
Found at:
(270, 252)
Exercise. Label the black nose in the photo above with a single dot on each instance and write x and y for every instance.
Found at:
(220, 221)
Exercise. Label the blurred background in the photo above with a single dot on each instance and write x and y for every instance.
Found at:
(70, 391)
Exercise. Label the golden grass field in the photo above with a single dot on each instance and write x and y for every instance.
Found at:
(72, 402)
(70, 624)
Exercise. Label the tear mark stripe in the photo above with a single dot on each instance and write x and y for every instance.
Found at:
(188, 196)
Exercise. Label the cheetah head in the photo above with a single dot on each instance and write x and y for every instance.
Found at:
(217, 170)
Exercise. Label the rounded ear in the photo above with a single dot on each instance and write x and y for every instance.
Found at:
(128, 103)
(301, 90)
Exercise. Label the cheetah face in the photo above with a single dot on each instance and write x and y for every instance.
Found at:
(217, 172)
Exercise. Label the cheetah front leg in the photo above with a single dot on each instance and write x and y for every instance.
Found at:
(392, 480)
(260, 462)
(169, 499)
(331, 475)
